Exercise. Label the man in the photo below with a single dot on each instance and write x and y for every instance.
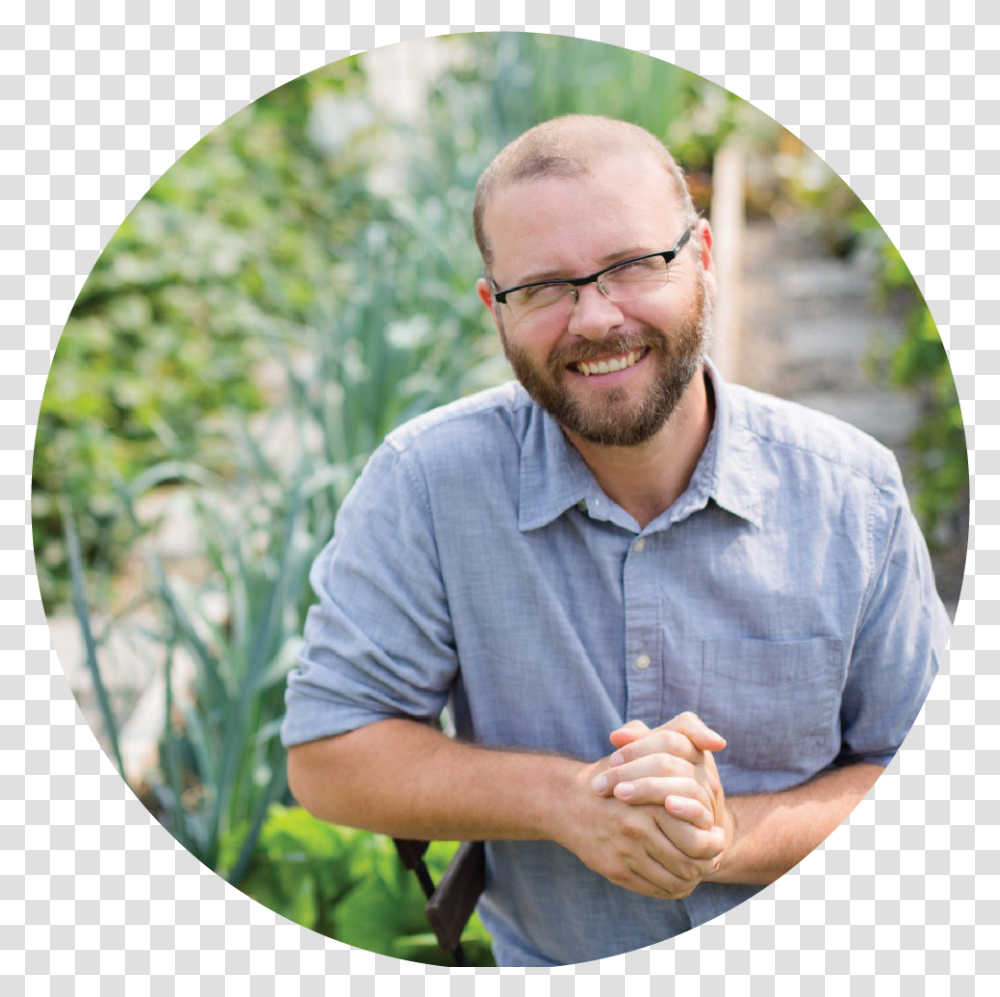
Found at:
(622, 537)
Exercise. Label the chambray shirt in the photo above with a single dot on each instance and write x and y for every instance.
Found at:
(786, 597)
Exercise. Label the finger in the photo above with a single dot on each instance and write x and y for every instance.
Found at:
(665, 867)
(700, 734)
(644, 847)
(657, 881)
(654, 791)
(676, 800)
(704, 847)
(660, 764)
(627, 733)
(656, 743)
(691, 811)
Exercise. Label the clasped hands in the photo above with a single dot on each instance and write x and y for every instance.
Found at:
(674, 827)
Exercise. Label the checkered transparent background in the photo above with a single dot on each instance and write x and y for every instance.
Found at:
(98, 99)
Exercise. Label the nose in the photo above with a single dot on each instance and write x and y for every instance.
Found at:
(594, 314)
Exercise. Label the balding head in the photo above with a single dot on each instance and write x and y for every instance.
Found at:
(568, 148)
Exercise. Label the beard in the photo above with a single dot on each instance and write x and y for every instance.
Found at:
(613, 418)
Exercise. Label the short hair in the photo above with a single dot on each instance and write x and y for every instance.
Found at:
(567, 147)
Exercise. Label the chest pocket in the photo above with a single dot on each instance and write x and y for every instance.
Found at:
(775, 702)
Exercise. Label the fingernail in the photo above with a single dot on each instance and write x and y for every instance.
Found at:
(616, 759)
(676, 803)
(599, 783)
(624, 790)
(713, 733)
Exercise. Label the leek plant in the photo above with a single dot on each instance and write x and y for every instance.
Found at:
(385, 341)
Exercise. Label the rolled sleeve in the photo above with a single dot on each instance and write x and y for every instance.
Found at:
(902, 636)
(379, 642)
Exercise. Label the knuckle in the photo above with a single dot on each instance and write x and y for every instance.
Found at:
(661, 761)
(632, 825)
(678, 888)
(675, 742)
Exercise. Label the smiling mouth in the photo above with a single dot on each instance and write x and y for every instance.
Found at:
(591, 367)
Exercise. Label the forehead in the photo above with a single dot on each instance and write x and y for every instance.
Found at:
(553, 225)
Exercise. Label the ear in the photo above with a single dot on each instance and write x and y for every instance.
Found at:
(485, 292)
(705, 256)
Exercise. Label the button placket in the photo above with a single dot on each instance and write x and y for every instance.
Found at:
(642, 638)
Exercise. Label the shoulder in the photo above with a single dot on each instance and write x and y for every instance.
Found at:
(791, 434)
(452, 453)
(495, 418)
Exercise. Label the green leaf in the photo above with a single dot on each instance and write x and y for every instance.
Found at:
(379, 910)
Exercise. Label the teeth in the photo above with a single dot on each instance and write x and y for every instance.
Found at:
(607, 366)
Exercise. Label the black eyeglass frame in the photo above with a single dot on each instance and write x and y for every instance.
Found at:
(668, 256)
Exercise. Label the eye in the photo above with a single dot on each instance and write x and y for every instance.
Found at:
(541, 294)
(650, 270)
(651, 264)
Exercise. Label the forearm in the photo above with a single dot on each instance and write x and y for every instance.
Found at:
(773, 832)
(406, 779)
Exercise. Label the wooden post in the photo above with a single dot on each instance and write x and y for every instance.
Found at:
(727, 227)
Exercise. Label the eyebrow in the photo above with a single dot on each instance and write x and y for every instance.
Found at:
(606, 261)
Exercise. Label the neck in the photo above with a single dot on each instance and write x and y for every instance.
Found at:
(645, 480)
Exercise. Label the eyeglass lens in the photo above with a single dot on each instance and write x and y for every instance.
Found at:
(630, 280)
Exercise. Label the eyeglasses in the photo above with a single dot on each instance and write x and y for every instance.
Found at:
(546, 299)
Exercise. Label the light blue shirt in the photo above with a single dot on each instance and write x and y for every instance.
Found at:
(786, 597)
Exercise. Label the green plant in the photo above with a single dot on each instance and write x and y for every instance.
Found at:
(348, 885)
(222, 737)
(920, 364)
(164, 340)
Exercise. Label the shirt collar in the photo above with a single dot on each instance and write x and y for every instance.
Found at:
(554, 477)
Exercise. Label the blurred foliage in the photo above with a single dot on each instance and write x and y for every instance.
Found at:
(349, 885)
(220, 256)
(920, 363)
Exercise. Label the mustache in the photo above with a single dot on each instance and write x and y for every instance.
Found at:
(615, 344)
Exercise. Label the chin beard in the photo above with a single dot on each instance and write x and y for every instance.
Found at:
(613, 420)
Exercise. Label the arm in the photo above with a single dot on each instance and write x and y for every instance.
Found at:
(772, 832)
(406, 779)
(379, 645)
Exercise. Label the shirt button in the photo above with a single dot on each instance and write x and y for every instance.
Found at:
(642, 661)
(639, 546)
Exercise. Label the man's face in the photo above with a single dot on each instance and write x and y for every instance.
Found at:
(552, 228)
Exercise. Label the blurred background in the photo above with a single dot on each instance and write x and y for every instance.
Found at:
(301, 282)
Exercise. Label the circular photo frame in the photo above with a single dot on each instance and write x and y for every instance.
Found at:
(302, 284)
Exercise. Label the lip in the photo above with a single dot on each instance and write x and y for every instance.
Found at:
(612, 377)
